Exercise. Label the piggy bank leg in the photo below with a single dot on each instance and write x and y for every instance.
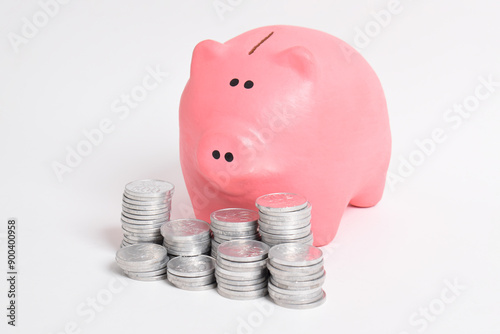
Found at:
(370, 194)
(326, 216)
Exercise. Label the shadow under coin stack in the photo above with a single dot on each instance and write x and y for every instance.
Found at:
(145, 207)
(241, 270)
(233, 224)
(284, 218)
(297, 276)
(186, 237)
(193, 273)
(143, 262)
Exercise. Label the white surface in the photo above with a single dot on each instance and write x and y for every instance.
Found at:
(441, 223)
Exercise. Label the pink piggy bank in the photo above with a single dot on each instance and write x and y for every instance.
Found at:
(284, 109)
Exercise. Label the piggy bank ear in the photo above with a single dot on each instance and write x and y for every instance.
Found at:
(204, 52)
(299, 59)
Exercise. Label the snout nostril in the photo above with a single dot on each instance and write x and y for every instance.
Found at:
(216, 154)
(228, 156)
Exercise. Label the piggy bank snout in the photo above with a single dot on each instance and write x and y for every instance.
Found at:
(224, 158)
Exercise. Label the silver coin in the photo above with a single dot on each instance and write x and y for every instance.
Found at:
(241, 295)
(131, 237)
(242, 275)
(149, 188)
(189, 253)
(241, 266)
(188, 243)
(281, 202)
(243, 250)
(309, 305)
(155, 226)
(147, 217)
(152, 222)
(142, 241)
(139, 233)
(145, 212)
(275, 242)
(125, 244)
(284, 236)
(153, 273)
(222, 239)
(146, 207)
(295, 254)
(309, 241)
(149, 279)
(205, 245)
(295, 299)
(179, 251)
(243, 287)
(143, 255)
(201, 265)
(286, 275)
(240, 282)
(185, 229)
(306, 270)
(200, 238)
(160, 201)
(293, 218)
(233, 226)
(179, 242)
(130, 243)
(234, 232)
(234, 216)
(144, 268)
(198, 288)
(146, 199)
(284, 229)
(187, 283)
(294, 293)
(207, 279)
(230, 268)
(297, 285)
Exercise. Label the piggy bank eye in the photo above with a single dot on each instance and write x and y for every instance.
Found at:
(234, 82)
(248, 84)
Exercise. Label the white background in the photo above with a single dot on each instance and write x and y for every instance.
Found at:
(439, 223)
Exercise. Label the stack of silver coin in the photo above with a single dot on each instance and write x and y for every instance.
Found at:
(241, 270)
(297, 276)
(284, 218)
(186, 237)
(143, 262)
(193, 273)
(145, 207)
(233, 224)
